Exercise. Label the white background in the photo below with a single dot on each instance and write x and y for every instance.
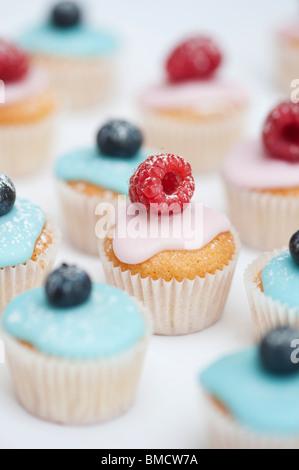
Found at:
(169, 411)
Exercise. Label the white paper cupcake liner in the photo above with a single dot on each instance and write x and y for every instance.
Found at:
(287, 65)
(76, 392)
(203, 143)
(80, 83)
(177, 308)
(264, 221)
(25, 148)
(267, 313)
(224, 432)
(79, 212)
(22, 277)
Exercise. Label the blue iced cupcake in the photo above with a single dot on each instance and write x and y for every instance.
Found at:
(97, 175)
(80, 59)
(29, 241)
(271, 282)
(75, 348)
(253, 395)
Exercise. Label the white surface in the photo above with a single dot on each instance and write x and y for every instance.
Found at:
(168, 412)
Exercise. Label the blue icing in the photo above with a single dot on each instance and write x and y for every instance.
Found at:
(92, 167)
(19, 231)
(79, 41)
(260, 401)
(107, 324)
(280, 279)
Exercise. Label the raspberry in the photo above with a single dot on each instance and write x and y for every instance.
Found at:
(198, 57)
(281, 132)
(14, 63)
(165, 180)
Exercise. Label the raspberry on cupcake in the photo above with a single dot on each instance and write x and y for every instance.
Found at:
(271, 284)
(196, 58)
(95, 175)
(75, 348)
(182, 272)
(252, 395)
(195, 112)
(27, 115)
(14, 63)
(28, 243)
(162, 180)
(262, 181)
(79, 58)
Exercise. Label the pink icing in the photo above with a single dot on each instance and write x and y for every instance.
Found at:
(34, 83)
(289, 30)
(205, 96)
(206, 224)
(248, 166)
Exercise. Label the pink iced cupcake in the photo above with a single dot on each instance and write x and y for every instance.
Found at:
(195, 113)
(262, 182)
(27, 113)
(180, 258)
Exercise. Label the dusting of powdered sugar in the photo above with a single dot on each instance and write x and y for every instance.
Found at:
(107, 324)
(19, 231)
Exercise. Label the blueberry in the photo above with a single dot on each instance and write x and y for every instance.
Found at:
(68, 286)
(119, 139)
(7, 194)
(276, 350)
(294, 247)
(66, 15)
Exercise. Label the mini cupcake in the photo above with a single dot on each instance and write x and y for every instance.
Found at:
(27, 113)
(262, 181)
(176, 256)
(90, 177)
(28, 244)
(79, 58)
(195, 113)
(271, 287)
(287, 55)
(75, 349)
(252, 396)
